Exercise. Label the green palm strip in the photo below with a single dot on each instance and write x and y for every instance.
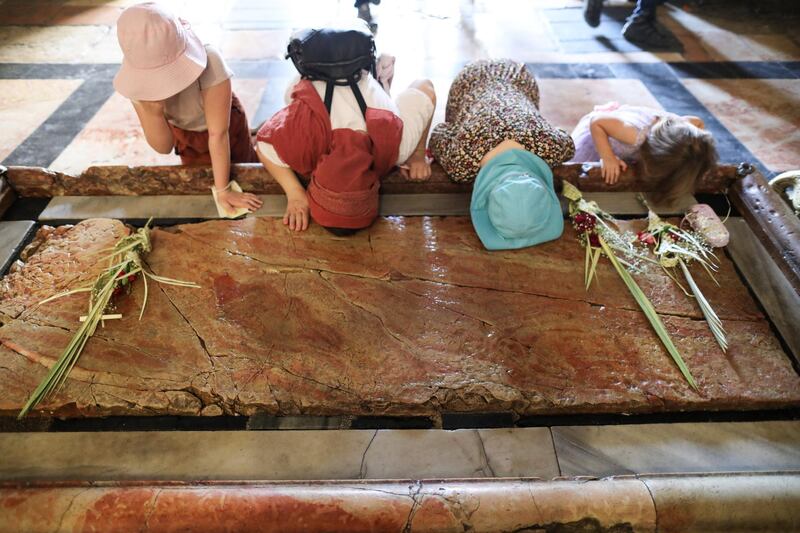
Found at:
(649, 312)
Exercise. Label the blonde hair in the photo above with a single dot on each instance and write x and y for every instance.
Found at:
(674, 157)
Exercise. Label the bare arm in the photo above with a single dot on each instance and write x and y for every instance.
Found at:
(416, 167)
(602, 127)
(217, 104)
(155, 126)
(296, 216)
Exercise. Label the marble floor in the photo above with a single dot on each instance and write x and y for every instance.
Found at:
(57, 59)
(737, 67)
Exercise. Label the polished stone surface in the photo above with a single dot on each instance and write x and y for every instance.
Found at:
(274, 455)
(25, 104)
(406, 505)
(763, 114)
(684, 447)
(769, 502)
(564, 102)
(12, 235)
(412, 317)
(52, 34)
(113, 136)
(767, 281)
(173, 207)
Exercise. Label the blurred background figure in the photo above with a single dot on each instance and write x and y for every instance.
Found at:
(640, 28)
(363, 9)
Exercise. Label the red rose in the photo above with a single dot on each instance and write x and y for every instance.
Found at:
(594, 240)
(584, 222)
(117, 291)
(646, 237)
(131, 278)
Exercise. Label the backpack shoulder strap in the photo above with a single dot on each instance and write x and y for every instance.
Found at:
(359, 97)
(329, 95)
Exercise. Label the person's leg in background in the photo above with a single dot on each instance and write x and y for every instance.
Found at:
(641, 28)
(363, 8)
(592, 9)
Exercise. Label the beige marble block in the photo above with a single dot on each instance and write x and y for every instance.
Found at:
(25, 104)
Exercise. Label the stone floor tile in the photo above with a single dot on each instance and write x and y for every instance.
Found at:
(112, 136)
(255, 44)
(12, 236)
(762, 114)
(22, 44)
(25, 104)
(250, 92)
(24, 12)
(279, 455)
(115, 137)
(683, 447)
(184, 455)
(105, 50)
(693, 504)
(520, 453)
(394, 454)
(86, 15)
(730, 46)
(564, 101)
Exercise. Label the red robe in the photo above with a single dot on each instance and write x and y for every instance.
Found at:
(345, 165)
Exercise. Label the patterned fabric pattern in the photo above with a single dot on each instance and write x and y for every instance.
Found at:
(491, 101)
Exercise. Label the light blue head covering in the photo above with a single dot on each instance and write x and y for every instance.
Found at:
(513, 202)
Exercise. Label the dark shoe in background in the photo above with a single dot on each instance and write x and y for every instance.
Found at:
(592, 9)
(365, 14)
(643, 31)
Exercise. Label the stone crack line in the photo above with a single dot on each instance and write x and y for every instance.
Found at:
(76, 373)
(69, 506)
(652, 498)
(411, 349)
(100, 337)
(281, 268)
(312, 380)
(414, 491)
(484, 455)
(362, 471)
(146, 525)
(200, 339)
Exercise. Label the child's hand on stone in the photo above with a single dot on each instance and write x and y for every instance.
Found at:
(417, 168)
(231, 200)
(296, 216)
(611, 167)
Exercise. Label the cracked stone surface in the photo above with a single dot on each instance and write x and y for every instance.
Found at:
(601, 506)
(412, 317)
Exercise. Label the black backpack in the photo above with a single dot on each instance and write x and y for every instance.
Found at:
(336, 56)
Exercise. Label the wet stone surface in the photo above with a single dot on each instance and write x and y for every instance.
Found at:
(412, 317)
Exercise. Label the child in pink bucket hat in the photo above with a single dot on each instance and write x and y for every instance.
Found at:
(181, 92)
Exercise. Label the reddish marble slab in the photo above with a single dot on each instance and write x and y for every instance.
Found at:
(411, 317)
(405, 505)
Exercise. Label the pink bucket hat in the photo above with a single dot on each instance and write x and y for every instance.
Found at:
(162, 56)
